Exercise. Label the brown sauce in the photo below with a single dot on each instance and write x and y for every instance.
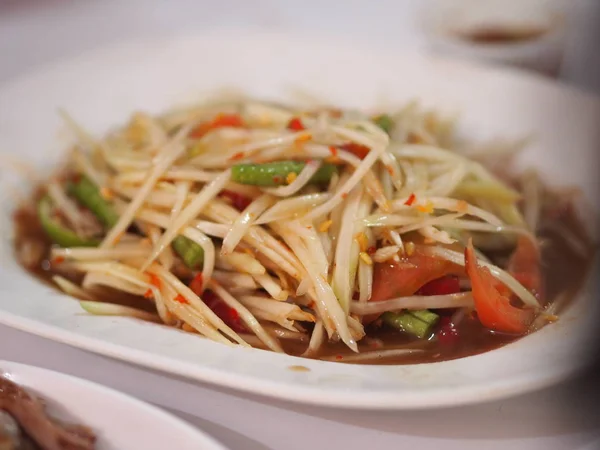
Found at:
(564, 271)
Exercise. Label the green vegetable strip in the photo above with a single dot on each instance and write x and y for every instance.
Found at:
(488, 190)
(426, 316)
(275, 173)
(59, 234)
(384, 122)
(190, 252)
(417, 323)
(88, 194)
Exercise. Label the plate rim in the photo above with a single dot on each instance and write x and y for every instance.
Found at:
(359, 400)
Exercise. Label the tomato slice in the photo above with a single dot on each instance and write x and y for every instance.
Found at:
(442, 286)
(493, 309)
(525, 266)
(220, 121)
(411, 274)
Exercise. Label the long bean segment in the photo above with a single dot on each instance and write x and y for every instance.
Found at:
(385, 122)
(417, 323)
(58, 233)
(190, 252)
(277, 173)
(88, 194)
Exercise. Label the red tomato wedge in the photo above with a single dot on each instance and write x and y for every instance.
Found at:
(525, 266)
(411, 274)
(493, 309)
(220, 121)
(442, 286)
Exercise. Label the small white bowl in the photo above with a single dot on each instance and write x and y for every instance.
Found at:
(118, 420)
(529, 34)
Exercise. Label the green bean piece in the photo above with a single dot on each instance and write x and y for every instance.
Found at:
(276, 173)
(189, 251)
(426, 316)
(60, 235)
(88, 194)
(384, 122)
(417, 323)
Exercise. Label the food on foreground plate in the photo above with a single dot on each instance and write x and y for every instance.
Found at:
(25, 424)
(325, 233)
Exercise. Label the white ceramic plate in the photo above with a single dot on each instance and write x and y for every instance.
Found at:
(120, 422)
(103, 88)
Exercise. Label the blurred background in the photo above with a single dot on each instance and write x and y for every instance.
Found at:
(555, 37)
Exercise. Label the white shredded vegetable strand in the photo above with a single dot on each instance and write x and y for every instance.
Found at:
(291, 208)
(365, 272)
(247, 317)
(325, 295)
(192, 317)
(376, 149)
(244, 221)
(449, 204)
(195, 302)
(188, 214)
(347, 250)
(317, 339)
(94, 254)
(71, 288)
(109, 309)
(416, 302)
(165, 159)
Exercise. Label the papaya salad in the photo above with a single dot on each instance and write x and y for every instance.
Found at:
(326, 233)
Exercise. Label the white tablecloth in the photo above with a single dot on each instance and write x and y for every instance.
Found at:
(36, 32)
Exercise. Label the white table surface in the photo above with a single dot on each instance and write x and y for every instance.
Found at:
(37, 32)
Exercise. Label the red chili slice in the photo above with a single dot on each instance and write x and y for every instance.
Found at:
(228, 315)
(296, 124)
(361, 151)
(220, 121)
(238, 201)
